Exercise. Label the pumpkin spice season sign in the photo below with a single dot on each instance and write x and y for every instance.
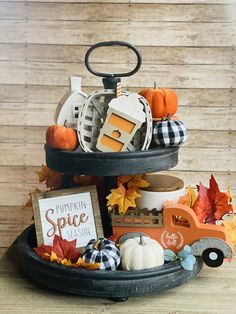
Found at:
(71, 214)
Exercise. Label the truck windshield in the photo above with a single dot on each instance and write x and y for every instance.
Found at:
(180, 221)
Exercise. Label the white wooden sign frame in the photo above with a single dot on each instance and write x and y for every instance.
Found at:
(70, 213)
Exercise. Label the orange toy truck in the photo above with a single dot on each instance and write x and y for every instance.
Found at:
(174, 228)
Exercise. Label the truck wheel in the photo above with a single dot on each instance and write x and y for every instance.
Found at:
(213, 257)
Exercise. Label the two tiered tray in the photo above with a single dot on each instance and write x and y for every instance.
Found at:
(119, 284)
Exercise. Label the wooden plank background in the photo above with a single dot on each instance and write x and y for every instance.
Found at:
(187, 45)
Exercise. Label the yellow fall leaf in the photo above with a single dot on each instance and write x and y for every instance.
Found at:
(54, 258)
(231, 229)
(188, 199)
(66, 262)
(192, 195)
(135, 181)
(81, 263)
(122, 198)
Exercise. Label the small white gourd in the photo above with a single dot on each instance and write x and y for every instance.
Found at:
(140, 253)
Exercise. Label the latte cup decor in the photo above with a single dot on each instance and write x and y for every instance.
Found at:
(162, 188)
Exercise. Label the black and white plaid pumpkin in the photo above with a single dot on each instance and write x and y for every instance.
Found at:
(169, 133)
(104, 252)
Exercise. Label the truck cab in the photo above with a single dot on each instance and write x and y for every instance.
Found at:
(176, 227)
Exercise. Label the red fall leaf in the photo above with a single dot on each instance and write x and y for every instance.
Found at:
(62, 248)
(65, 249)
(211, 204)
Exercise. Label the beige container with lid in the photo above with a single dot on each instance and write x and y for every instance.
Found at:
(162, 188)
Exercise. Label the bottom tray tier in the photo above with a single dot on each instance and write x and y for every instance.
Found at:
(117, 285)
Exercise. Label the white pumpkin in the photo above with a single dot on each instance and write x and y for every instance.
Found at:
(141, 253)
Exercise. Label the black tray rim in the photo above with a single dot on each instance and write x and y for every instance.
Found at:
(111, 164)
(97, 277)
(108, 155)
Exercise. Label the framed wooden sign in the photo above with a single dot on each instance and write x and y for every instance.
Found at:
(71, 214)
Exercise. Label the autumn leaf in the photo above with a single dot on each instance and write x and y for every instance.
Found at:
(52, 178)
(211, 204)
(61, 252)
(231, 229)
(135, 181)
(65, 249)
(81, 263)
(188, 199)
(83, 180)
(122, 198)
(44, 251)
(192, 196)
(219, 199)
(203, 206)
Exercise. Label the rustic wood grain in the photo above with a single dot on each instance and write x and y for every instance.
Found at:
(8, 233)
(150, 54)
(117, 12)
(226, 2)
(195, 118)
(16, 215)
(52, 94)
(160, 34)
(196, 138)
(173, 76)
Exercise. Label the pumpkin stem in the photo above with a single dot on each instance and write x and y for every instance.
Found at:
(97, 245)
(141, 242)
(155, 85)
(168, 117)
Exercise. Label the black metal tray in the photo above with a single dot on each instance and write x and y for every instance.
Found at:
(111, 164)
(117, 285)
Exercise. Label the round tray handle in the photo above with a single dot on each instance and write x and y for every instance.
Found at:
(108, 44)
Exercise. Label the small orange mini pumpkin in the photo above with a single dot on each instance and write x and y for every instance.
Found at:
(58, 136)
(161, 100)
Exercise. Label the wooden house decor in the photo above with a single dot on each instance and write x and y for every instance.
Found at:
(67, 111)
(125, 116)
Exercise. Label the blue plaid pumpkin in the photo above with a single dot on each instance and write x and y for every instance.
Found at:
(104, 252)
(169, 133)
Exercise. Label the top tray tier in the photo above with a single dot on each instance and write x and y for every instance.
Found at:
(111, 164)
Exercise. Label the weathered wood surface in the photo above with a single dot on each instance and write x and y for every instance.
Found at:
(195, 118)
(175, 76)
(196, 138)
(46, 94)
(19, 294)
(134, 1)
(159, 34)
(186, 45)
(150, 54)
(117, 12)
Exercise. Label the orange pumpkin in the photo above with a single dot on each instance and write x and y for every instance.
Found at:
(161, 100)
(58, 136)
